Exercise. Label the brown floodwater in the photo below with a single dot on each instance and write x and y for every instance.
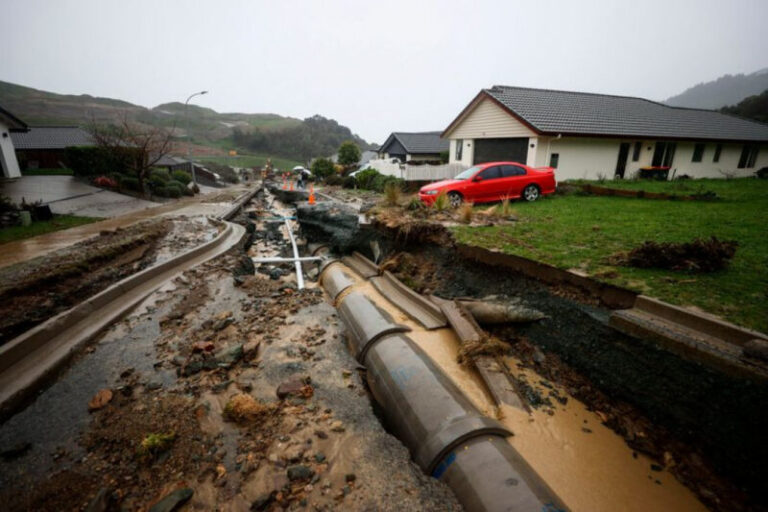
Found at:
(586, 464)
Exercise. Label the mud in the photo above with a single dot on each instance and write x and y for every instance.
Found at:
(40, 288)
(181, 366)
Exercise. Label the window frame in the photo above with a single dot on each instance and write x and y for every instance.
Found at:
(698, 152)
(748, 157)
(554, 160)
(459, 149)
(718, 150)
(635, 151)
(520, 171)
(487, 169)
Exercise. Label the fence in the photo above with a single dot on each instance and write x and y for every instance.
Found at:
(425, 172)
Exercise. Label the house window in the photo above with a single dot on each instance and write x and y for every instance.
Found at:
(748, 156)
(698, 152)
(663, 154)
(554, 159)
(635, 151)
(459, 148)
(718, 150)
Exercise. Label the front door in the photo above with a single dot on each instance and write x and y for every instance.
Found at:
(621, 164)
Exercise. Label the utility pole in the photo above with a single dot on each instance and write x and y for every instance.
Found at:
(189, 137)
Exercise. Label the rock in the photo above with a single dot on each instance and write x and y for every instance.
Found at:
(173, 500)
(251, 350)
(229, 356)
(223, 321)
(350, 477)
(15, 451)
(100, 399)
(101, 502)
(263, 501)
(337, 426)
(321, 434)
(202, 346)
(538, 356)
(319, 458)
(299, 472)
(291, 387)
(756, 349)
(192, 368)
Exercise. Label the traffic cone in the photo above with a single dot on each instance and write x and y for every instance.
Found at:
(311, 194)
(291, 189)
(285, 184)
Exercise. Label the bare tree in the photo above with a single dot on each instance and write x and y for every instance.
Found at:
(140, 146)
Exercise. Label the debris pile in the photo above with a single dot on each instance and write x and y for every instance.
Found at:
(700, 255)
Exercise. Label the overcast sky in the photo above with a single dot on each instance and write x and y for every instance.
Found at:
(376, 67)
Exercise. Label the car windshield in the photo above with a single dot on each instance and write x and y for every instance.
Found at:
(467, 174)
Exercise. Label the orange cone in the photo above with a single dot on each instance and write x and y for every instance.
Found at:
(291, 189)
(312, 194)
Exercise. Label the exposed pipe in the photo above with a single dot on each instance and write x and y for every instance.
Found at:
(286, 260)
(296, 260)
(447, 436)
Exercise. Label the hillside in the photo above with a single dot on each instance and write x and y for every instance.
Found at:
(754, 107)
(206, 126)
(726, 90)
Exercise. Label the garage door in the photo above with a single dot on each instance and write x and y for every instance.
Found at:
(501, 150)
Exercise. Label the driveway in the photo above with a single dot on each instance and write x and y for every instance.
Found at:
(66, 195)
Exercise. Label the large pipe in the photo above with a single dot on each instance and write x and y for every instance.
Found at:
(447, 436)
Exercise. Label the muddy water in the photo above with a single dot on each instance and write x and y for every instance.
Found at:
(586, 464)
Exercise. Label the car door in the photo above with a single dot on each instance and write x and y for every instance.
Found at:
(484, 189)
(514, 178)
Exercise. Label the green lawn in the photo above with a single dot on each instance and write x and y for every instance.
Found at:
(250, 161)
(576, 231)
(47, 172)
(59, 222)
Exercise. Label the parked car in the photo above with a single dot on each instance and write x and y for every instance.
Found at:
(493, 181)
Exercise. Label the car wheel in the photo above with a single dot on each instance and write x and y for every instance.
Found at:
(455, 199)
(531, 193)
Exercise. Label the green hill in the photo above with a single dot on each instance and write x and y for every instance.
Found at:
(262, 134)
(726, 90)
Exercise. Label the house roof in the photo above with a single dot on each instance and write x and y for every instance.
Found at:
(418, 142)
(11, 121)
(551, 112)
(51, 137)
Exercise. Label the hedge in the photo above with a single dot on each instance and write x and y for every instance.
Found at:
(95, 161)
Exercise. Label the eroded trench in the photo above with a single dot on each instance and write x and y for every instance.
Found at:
(607, 423)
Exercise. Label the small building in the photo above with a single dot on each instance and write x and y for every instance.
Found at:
(588, 136)
(9, 126)
(44, 147)
(414, 147)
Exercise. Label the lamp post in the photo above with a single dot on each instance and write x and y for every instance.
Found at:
(189, 137)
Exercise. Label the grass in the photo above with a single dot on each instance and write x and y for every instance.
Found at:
(47, 172)
(283, 164)
(58, 223)
(581, 232)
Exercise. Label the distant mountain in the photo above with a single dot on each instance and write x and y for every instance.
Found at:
(726, 90)
(206, 126)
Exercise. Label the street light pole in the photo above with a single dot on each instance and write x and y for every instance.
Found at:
(189, 137)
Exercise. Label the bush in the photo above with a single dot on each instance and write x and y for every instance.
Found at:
(349, 182)
(365, 178)
(181, 176)
(323, 167)
(130, 183)
(173, 192)
(160, 192)
(392, 193)
(94, 161)
(349, 153)
(334, 180)
(160, 175)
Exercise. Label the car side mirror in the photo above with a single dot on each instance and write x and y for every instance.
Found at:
(477, 178)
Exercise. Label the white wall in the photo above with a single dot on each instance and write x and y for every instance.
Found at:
(487, 120)
(8, 163)
(728, 163)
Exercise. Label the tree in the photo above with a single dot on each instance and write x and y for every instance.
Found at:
(322, 168)
(349, 153)
(140, 146)
(754, 107)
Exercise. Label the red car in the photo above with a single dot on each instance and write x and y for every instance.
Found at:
(493, 181)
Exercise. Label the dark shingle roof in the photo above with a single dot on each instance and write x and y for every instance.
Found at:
(13, 122)
(420, 142)
(51, 137)
(565, 112)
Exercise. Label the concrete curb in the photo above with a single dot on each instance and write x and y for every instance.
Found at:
(31, 360)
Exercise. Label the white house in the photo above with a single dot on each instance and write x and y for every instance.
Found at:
(586, 135)
(8, 162)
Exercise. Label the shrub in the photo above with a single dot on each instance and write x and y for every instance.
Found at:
(762, 173)
(160, 191)
(323, 167)
(349, 182)
(160, 175)
(334, 180)
(378, 182)
(130, 183)
(173, 192)
(441, 202)
(365, 178)
(94, 161)
(392, 193)
(465, 212)
(181, 176)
